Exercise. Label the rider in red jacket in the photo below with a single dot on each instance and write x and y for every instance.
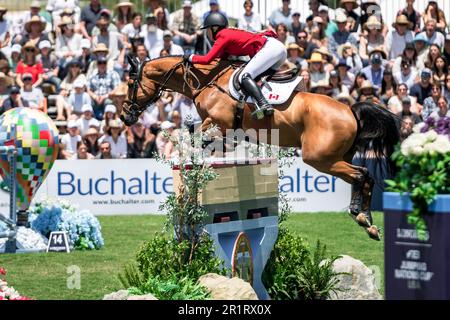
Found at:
(264, 50)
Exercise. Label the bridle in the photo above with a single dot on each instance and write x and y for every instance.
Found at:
(134, 108)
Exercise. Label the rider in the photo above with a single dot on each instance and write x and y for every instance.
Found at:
(265, 51)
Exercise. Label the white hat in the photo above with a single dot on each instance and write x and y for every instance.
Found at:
(16, 48)
(323, 8)
(167, 125)
(340, 16)
(87, 107)
(110, 108)
(45, 44)
(85, 43)
(72, 124)
(79, 83)
(187, 3)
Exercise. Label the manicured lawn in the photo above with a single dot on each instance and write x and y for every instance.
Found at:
(44, 276)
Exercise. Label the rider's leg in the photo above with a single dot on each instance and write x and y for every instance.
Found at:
(272, 55)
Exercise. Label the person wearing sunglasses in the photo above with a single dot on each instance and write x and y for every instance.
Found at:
(14, 100)
(32, 96)
(29, 64)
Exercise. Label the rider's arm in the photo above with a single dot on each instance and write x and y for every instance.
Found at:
(216, 52)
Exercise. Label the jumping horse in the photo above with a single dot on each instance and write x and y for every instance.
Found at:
(328, 132)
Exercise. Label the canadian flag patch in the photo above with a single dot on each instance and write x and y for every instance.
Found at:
(274, 96)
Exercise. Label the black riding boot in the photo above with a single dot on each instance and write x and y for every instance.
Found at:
(250, 88)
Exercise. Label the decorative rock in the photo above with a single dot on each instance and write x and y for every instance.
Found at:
(223, 288)
(144, 297)
(125, 295)
(119, 295)
(359, 285)
(27, 239)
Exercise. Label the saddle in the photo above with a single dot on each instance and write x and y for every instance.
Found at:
(277, 85)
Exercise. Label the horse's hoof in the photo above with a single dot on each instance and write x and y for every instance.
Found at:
(129, 120)
(374, 233)
(360, 219)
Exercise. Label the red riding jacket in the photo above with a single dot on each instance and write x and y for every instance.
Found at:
(234, 42)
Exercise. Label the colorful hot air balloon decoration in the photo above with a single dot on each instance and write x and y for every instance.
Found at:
(35, 136)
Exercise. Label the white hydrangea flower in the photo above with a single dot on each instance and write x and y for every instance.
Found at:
(418, 127)
(431, 135)
(417, 150)
(441, 145)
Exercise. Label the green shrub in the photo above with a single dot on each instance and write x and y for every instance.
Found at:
(294, 273)
(167, 257)
(172, 288)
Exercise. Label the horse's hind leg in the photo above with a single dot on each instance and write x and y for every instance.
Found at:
(362, 185)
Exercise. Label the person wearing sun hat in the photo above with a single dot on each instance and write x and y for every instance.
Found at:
(317, 69)
(397, 38)
(412, 14)
(342, 35)
(372, 37)
(345, 98)
(368, 92)
(117, 141)
(29, 64)
(295, 55)
(124, 15)
(100, 50)
(321, 87)
(349, 7)
(60, 8)
(68, 43)
(34, 30)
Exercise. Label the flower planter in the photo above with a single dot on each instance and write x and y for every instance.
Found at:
(416, 269)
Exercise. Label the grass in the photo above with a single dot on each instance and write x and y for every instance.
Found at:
(44, 276)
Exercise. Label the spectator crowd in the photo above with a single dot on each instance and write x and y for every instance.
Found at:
(71, 59)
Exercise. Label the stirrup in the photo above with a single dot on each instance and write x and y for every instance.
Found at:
(258, 114)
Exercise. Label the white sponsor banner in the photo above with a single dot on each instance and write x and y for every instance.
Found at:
(138, 186)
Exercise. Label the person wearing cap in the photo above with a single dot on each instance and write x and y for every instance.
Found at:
(153, 36)
(70, 140)
(349, 7)
(342, 35)
(163, 143)
(282, 14)
(5, 36)
(32, 96)
(185, 26)
(422, 89)
(118, 142)
(249, 20)
(14, 100)
(407, 74)
(371, 38)
(109, 115)
(78, 98)
(374, 71)
(432, 34)
(14, 59)
(430, 104)
(432, 11)
(172, 48)
(87, 120)
(347, 78)
(101, 84)
(264, 50)
(29, 64)
(329, 26)
(50, 64)
(86, 56)
(406, 111)
(412, 14)
(89, 16)
(397, 38)
(214, 7)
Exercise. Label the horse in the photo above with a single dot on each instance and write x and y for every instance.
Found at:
(328, 132)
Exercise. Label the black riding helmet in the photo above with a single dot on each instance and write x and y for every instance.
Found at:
(215, 19)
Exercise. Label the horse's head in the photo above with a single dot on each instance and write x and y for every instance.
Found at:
(141, 92)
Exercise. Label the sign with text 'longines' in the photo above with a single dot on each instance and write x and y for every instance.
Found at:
(138, 186)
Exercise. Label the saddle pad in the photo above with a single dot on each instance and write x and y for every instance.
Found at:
(274, 92)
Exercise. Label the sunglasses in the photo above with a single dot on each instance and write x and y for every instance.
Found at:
(104, 149)
(436, 89)
(27, 79)
(29, 50)
(99, 63)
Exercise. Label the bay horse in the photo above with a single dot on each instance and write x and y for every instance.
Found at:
(327, 131)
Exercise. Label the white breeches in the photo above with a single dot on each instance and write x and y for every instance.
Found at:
(272, 55)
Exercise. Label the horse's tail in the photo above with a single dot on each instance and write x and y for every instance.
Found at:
(378, 132)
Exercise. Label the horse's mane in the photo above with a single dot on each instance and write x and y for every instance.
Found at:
(209, 67)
